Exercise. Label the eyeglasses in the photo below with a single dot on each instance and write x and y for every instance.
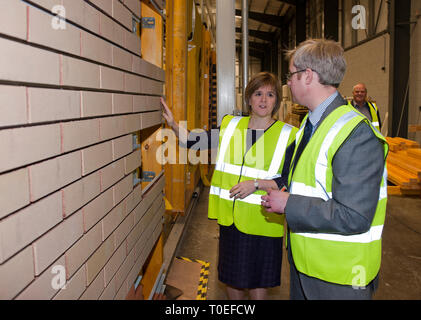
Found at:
(290, 74)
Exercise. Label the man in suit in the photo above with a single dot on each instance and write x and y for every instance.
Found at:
(336, 199)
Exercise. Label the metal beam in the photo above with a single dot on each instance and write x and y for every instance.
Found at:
(253, 53)
(331, 19)
(270, 19)
(284, 62)
(378, 17)
(288, 16)
(268, 36)
(255, 45)
(300, 21)
(257, 54)
(400, 41)
(290, 2)
(268, 53)
(274, 55)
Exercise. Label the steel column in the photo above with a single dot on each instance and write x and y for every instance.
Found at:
(245, 48)
(225, 55)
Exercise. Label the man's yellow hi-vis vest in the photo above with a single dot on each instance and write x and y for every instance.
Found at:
(372, 107)
(342, 259)
(264, 160)
(374, 118)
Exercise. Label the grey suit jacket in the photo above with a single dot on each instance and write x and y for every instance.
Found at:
(357, 172)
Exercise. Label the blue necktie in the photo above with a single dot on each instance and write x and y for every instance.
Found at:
(308, 129)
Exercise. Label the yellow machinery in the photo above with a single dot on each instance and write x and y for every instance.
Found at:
(187, 65)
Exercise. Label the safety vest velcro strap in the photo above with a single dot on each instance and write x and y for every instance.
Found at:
(375, 233)
(225, 194)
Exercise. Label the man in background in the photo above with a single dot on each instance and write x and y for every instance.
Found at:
(369, 109)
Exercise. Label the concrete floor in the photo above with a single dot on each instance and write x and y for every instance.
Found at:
(400, 273)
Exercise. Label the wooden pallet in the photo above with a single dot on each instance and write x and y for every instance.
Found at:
(404, 166)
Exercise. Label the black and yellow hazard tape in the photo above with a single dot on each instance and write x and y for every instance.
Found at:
(204, 277)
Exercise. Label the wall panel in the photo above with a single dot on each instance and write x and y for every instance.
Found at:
(71, 100)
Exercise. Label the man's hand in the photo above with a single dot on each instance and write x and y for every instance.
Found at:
(275, 201)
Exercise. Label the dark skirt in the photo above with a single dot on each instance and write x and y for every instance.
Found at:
(248, 261)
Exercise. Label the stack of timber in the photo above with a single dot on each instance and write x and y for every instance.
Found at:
(404, 167)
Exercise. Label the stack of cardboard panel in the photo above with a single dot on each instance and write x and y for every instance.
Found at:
(295, 114)
(404, 166)
(73, 95)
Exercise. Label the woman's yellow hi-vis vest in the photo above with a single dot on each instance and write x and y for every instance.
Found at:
(264, 160)
(342, 259)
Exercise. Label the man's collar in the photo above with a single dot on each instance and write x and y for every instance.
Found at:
(357, 105)
(315, 115)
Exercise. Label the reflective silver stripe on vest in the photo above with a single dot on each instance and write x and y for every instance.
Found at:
(375, 233)
(229, 131)
(321, 164)
(302, 189)
(297, 137)
(280, 146)
(383, 187)
(319, 191)
(373, 104)
(225, 194)
(246, 171)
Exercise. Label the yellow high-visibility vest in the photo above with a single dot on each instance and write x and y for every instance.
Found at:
(264, 160)
(330, 257)
(372, 107)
